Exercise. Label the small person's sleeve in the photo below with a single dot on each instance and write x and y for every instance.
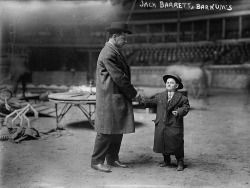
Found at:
(149, 102)
(184, 109)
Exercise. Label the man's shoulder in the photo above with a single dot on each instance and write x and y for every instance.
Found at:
(106, 53)
(107, 50)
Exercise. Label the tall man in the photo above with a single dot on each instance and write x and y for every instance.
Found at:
(114, 94)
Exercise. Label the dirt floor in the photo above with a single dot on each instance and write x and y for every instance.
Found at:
(217, 151)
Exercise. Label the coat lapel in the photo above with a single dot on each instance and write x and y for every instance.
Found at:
(164, 99)
(122, 59)
(170, 104)
(124, 62)
(112, 47)
(175, 99)
(116, 50)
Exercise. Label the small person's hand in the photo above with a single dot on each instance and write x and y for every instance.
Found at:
(137, 97)
(141, 100)
(175, 113)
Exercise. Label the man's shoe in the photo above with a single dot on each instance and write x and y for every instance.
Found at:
(101, 168)
(180, 166)
(117, 164)
(165, 164)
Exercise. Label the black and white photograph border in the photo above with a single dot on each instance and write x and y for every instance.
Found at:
(48, 59)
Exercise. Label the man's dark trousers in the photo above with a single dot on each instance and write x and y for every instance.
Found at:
(106, 146)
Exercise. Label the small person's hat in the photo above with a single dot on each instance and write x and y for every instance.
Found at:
(175, 77)
(119, 26)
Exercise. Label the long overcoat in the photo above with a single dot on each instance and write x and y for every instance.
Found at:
(114, 93)
(169, 129)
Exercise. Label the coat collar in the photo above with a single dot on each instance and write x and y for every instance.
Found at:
(114, 48)
(122, 59)
(175, 99)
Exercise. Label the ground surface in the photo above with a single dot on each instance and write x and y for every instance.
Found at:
(217, 151)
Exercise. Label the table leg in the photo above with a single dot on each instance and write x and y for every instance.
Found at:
(59, 117)
(56, 114)
(87, 114)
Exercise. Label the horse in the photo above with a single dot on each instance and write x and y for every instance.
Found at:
(196, 79)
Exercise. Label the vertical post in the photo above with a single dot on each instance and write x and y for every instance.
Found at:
(208, 30)
(90, 67)
(133, 29)
(192, 31)
(163, 32)
(56, 115)
(178, 26)
(223, 28)
(240, 27)
(148, 33)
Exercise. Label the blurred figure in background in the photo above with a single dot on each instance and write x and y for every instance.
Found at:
(19, 73)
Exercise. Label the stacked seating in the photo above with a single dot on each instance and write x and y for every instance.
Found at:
(219, 53)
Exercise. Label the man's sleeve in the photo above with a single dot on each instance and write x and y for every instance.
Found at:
(151, 102)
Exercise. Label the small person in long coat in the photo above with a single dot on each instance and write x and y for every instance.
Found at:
(114, 94)
(172, 106)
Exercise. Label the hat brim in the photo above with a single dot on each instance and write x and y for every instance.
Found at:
(118, 29)
(165, 77)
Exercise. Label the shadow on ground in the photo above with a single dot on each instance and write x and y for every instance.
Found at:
(87, 125)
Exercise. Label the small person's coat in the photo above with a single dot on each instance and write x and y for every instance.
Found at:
(169, 130)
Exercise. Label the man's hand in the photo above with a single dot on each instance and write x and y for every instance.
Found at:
(142, 101)
(137, 97)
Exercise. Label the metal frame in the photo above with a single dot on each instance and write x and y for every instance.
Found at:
(68, 104)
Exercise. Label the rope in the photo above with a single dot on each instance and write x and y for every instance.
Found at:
(131, 11)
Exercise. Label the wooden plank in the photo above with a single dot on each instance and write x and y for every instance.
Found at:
(53, 114)
(48, 114)
(41, 108)
(37, 105)
(47, 111)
